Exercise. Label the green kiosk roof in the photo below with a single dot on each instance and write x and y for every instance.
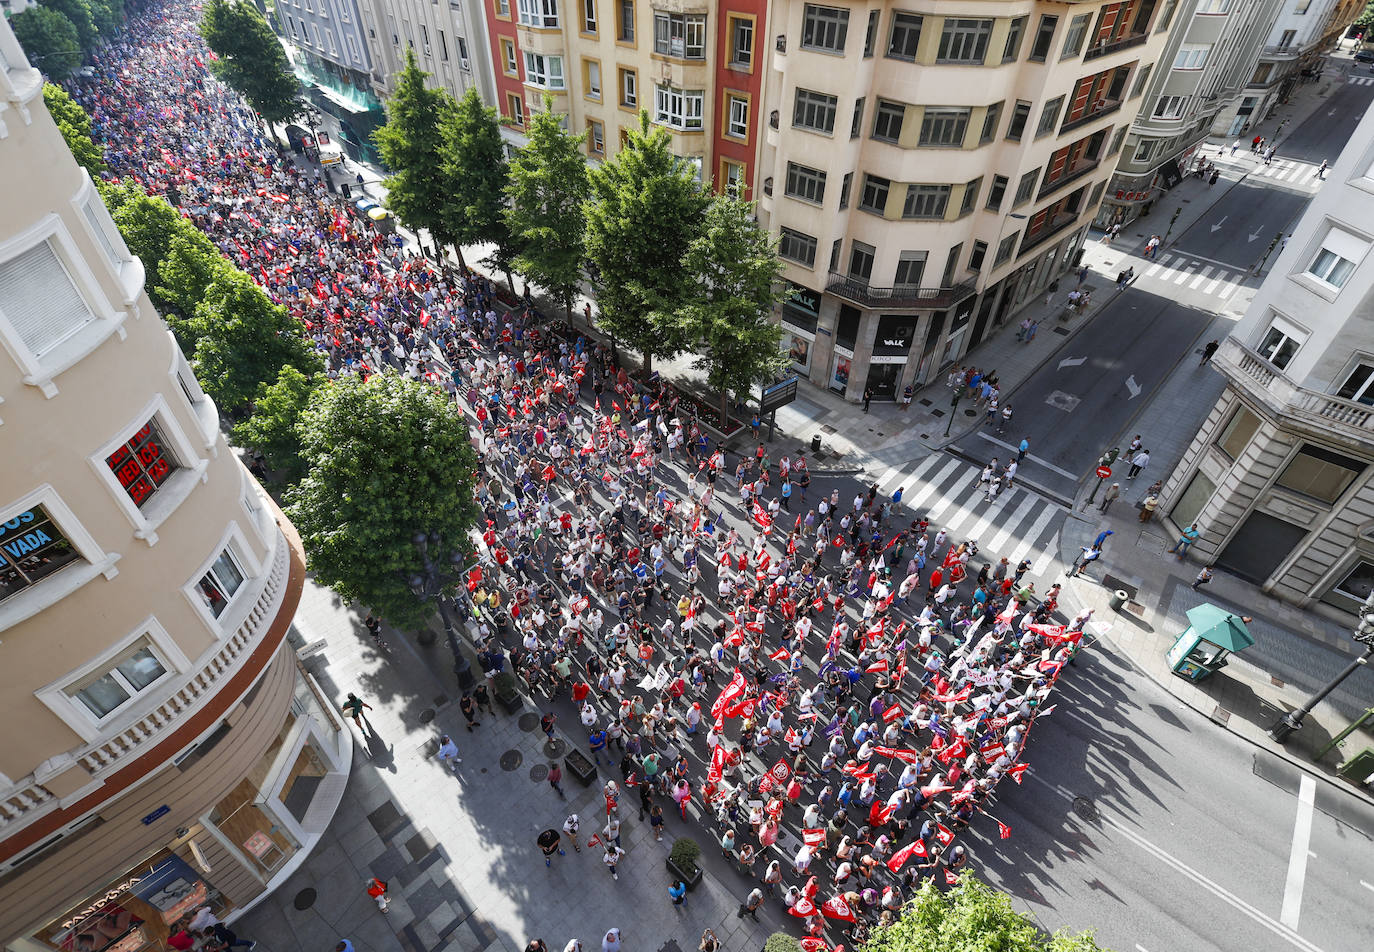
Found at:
(1220, 627)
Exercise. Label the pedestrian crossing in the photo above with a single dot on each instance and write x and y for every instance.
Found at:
(1019, 523)
(1301, 174)
(1361, 80)
(1201, 276)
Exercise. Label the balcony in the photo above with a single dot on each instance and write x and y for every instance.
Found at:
(1070, 175)
(1048, 230)
(1113, 46)
(1104, 107)
(864, 294)
(1281, 52)
(1322, 413)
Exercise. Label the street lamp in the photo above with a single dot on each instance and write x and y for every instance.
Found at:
(1364, 634)
(431, 585)
(953, 408)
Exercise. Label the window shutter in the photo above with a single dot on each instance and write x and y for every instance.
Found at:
(40, 300)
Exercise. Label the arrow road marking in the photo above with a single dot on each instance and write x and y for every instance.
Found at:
(1072, 362)
(1250, 238)
(1367, 885)
(1132, 386)
(1217, 227)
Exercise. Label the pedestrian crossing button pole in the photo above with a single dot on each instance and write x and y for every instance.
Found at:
(953, 409)
(1102, 473)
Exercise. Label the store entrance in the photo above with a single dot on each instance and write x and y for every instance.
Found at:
(882, 380)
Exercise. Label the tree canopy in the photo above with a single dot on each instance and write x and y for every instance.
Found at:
(79, 14)
(385, 459)
(644, 211)
(412, 146)
(49, 40)
(474, 174)
(251, 59)
(273, 428)
(75, 127)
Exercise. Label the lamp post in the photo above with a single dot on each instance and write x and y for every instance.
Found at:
(431, 585)
(1364, 634)
(953, 408)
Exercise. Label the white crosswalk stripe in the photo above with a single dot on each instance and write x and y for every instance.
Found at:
(1194, 274)
(1361, 80)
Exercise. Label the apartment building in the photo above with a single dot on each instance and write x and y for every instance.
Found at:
(1197, 90)
(930, 168)
(1295, 48)
(449, 39)
(1280, 477)
(164, 749)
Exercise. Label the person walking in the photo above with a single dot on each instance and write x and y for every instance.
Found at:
(1110, 496)
(546, 722)
(226, 938)
(1208, 350)
(1203, 577)
(1152, 247)
(354, 707)
(1086, 555)
(555, 779)
(612, 859)
(376, 888)
(906, 398)
(677, 892)
(1022, 450)
(1321, 170)
(868, 397)
(570, 827)
(448, 753)
(596, 740)
(1139, 462)
(1185, 539)
(548, 842)
(751, 904)
(469, 708)
(709, 942)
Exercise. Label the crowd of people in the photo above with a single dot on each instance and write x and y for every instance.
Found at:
(775, 663)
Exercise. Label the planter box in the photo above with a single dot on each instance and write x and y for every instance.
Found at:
(691, 880)
(512, 702)
(580, 767)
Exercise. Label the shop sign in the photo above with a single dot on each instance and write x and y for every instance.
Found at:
(157, 814)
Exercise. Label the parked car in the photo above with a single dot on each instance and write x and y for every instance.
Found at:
(1364, 56)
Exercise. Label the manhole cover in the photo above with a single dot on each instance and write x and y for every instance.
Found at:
(539, 772)
(304, 899)
(553, 747)
(529, 722)
(511, 759)
(970, 413)
(1084, 808)
(427, 715)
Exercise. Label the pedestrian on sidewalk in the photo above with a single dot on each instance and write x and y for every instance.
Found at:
(612, 859)
(1186, 539)
(570, 827)
(906, 398)
(1051, 291)
(548, 842)
(1082, 275)
(227, 939)
(709, 942)
(376, 888)
(547, 722)
(469, 708)
(1023, 334)
(1208, 350)
(354, 707)
(1139, 462)
(1148, 505)
(448, 753)
(1203, 577)
(1022, 450)
(751, 905)
(1006, 418)
(555, 779)
(677, 892)
(868, 397)
(1030, 334)
(611, 943)
(1109, 497)
(1086, 555)
(482, 696)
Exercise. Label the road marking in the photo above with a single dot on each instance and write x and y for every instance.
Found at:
(933, 485)
(1030, 456)
(1297, 858)
(1072, 362)
(1157, 265)
(1011, 522)
(1140, 948)
(1185, 275)
(1369, 886)
(1028, 539)
(1133, 387)
(1282, 931)
(1202, 276)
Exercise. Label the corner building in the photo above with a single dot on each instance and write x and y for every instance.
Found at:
(163, 748)
(931, 168)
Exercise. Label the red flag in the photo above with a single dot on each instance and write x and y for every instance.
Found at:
(716, 771)
(877, 668)
(732, 690)
(900, 857)
(943, 834)
(1016, 772)
(594, 841)
(812, 944)
(1046, 712)
(892, 713)
(1003, 830)
(804, 909)
(836, 908)
(950, 878)
(781, 654)
(905, 756)
(762, 517)
(878, 813)
(813, 837)
(791, 736)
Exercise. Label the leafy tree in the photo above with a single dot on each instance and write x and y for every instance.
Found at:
(1365, 21)
(412, 146)
(273, 429)
(738, 282)
(75, 127)
(781, 942)
(183, 279)
(546, 193)
(49, 40)
(108, 16)
(147, 223)
(385, 459)
(251, 59)
(242, 340)
(644, 211)
(80, 16)
(474, 174)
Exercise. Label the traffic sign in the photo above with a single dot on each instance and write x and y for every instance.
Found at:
(1103, 472)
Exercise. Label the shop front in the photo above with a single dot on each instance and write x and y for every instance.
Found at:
(892, 341)
(800, 317)
(846, 337)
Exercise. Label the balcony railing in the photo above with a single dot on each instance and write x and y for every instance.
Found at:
(1077, 172)
(1104, 107)
(1125, 43)
(866, 295)
(1281, 52)
(1323, 410)
(1048, 230)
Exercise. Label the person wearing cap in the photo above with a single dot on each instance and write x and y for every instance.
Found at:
(1110, 496)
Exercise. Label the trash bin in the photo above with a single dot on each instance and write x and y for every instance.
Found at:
(816, 443)
(1358, 767)
(1119, 599)
(346, 189)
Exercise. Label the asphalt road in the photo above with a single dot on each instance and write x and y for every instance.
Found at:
(1239, 228)
(1325, 133)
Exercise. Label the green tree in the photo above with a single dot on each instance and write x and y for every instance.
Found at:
(546, 193)
(385, 459)
(644, 211)
(1365, 21)
(80, 16)
(474, 174)
(242, 340)
(49, 40)
(251, 59)
(148, 224)
(183, 278)
(736, 283)
(273, 429)
(108, 16)
(75, 127)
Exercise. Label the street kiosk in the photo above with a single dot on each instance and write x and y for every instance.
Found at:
(1201, 650)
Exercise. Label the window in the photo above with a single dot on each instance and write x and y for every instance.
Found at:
(971, 191)
(976, 256)
(218, 585)
(1144, 150)
(1318, 472)
(1025, 189)
(1020, 114)
(805, 183)
(1357, 585)
(814, 111)
(1194, 57)
(1117, 139)
(1167, 17)
(1141, 80)
(515, 108)
(625, 16)
(1280, 343)
(678, 108)
(629, 87)
(824, 28)
(835, 247)
(904, 37)
(1044, 38)
(1015, 32)
(503, 9)
(509, 64)
(732, 174)
(31, 549)
(873, 197)
(1357, 385)
(887, 120)
(944, 126)
(40, 300)
(990, 121)
(1170, 107)
(861, 260)
(911, 266)
(964, 40)
(106, 233)
(113, 685)
(856, 121)
(845, 184)
(680, 35)
(1078, 31)
(1235, 436)
(1336, 259)
(1049, 116)
(589, 16)
(142, 463)
(951, 264)
(1213, 6)
(926, 201)
(1005, 248)
(741, 43)
(591, 79)
(546, 72)
(596, 137)
(736, 116)
(997, 192)
(871, 36)
(443, 45)
(541, 13)
(795, 246)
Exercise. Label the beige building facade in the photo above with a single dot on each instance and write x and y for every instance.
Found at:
(164, 749)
